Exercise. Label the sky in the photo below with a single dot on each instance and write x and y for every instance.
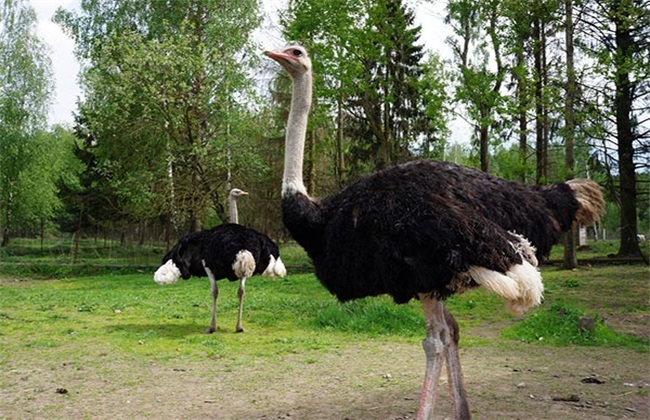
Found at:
(66, 68)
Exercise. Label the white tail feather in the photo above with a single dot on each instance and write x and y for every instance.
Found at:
(279, 269)
(495, 282)
(275, 268)
(521, 285)
(531, 288)
(167, 273)
(244, 264)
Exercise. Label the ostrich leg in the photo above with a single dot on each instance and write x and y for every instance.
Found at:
(214, 290)
(455, 373)
(435, 347)
(241, 293)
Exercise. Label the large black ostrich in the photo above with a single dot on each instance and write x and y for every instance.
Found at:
(228, 251)
(425, 230)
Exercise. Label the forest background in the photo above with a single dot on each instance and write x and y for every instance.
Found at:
(178, 107)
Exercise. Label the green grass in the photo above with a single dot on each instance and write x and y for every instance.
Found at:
(558, 324)
(82, 310)
(597, 249)
(599, 293)
(131, 314)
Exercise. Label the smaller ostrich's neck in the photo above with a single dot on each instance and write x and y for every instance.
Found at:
(233, 216)
(295, 136)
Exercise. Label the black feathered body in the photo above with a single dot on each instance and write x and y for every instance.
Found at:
(219, 247)
(415, 227)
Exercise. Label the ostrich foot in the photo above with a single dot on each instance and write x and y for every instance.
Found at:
(239, 329)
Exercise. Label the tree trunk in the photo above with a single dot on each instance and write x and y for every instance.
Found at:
(541, 152)
(340, 157)
(5, 232)
(623, 104)
(42, 233)
(77, 236)
(484, 142)
(523, 107)
(570, 245)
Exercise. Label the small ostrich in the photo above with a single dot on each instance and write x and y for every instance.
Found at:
(425, 230)
(227, 251)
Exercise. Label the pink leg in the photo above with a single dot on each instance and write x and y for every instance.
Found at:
(214, 292)
(241, 293)
(435, 345)
(455, 373)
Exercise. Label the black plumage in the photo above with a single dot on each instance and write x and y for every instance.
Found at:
(412, 228)
(219, 247)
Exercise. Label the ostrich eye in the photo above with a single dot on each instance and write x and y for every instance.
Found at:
(296, 53)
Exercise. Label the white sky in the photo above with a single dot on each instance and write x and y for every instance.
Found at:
(66, 68)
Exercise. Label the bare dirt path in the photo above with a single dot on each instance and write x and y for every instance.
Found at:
(372, 380)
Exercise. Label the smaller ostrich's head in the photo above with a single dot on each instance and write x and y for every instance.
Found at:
(293, 59)
(236, 192)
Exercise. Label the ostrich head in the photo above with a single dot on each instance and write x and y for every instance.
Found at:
(236, 192)
(293, 59)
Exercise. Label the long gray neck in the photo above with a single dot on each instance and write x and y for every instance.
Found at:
(295, 136)
(233, 216)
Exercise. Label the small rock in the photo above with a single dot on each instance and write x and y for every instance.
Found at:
(587, 324)
(61, 391)
(521, 385)
(592, 380)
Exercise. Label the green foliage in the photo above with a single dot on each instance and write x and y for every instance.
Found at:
(33, 163)
(77, 312)
(370, 68)
(166, 90)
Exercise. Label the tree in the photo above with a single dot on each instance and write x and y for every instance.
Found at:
(435, 89)
(616, 35)
(477, 44)
(328, 28)
(570, 255)
(166, 86)
(389, 98)
(25, 92)
(370, 76)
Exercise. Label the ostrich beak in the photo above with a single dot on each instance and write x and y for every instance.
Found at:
(279, 56)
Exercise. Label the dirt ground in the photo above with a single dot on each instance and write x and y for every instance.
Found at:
(377, 379)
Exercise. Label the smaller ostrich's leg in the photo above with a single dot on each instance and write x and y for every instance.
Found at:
(241, 293)
(455, 373)
(435, 346)
(214, 290)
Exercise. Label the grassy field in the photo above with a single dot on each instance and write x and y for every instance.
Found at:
(91, 321)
